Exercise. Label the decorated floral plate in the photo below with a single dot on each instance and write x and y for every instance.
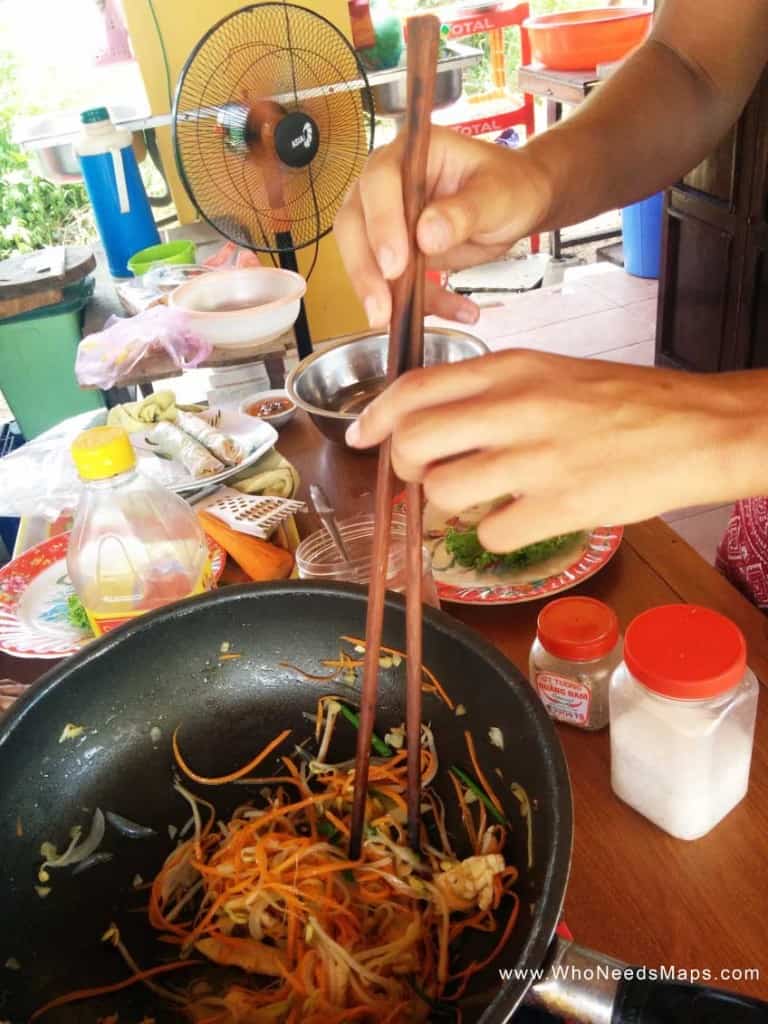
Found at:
(34, 594)
(561, 565)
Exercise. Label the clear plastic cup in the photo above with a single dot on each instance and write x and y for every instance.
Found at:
(318, 559)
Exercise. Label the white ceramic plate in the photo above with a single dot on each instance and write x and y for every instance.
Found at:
(256, 437)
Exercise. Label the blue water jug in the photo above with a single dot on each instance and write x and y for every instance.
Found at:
(641, 226)
(120, 205)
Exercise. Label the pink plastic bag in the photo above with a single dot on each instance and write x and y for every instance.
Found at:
(109, 357)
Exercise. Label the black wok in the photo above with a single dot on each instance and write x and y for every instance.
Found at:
(164, 671)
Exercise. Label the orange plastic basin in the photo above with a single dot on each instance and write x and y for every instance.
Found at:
(579, 40)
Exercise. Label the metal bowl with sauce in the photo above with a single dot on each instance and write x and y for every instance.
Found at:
(334, 384)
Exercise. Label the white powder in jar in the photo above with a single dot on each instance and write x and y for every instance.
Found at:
(682, 764)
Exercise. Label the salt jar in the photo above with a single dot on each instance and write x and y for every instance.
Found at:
(576, 650)
(682, 715)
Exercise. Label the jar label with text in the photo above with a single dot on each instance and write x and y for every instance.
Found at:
(566, 700)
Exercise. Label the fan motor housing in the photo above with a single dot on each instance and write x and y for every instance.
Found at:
(297, 139)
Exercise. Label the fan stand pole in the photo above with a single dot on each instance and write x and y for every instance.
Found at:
(287, 258)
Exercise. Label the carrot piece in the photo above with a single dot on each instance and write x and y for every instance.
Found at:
(220, 780)
(431, 677)
(479, 965)
(258, 558)
(479, 773)
(104, 990)
(309, 675)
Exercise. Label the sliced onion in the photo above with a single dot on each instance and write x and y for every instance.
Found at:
(76, 851)
(96, 858)
(129, 828)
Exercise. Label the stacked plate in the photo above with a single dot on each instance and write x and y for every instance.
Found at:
(231, 385)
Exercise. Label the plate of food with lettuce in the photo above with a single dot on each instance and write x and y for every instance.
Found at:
(466, 573)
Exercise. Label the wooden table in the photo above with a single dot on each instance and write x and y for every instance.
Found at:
(635, 892)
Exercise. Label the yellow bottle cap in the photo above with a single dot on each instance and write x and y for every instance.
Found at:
(102, 452)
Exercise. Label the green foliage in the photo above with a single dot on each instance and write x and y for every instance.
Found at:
(33, 212)
(466, 550)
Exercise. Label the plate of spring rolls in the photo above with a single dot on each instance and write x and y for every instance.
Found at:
(197, 449)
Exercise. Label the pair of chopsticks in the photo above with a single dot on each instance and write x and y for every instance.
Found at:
(406, 350)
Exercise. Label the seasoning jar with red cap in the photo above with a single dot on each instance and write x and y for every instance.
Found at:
(682, 710)
(576, 650)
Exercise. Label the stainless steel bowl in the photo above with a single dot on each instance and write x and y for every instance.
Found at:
(390, 98)
(334, 385)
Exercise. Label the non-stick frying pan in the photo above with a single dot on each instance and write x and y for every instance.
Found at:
(165, 671)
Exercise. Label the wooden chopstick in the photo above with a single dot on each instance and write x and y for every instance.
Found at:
(406, 345)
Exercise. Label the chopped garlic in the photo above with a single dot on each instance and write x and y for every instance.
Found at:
(12, 964)
(359, 649)
(172, 831)
(460, 710)
(42, 891)
(224, 647)
(470, 881)
(470, 797)
(396, 738)
(385, 661)
(396, 661)
(496, 737)
(137, 882)
(155, 734)
(71, 732)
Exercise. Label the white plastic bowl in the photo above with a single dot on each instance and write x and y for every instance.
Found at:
(241, 308)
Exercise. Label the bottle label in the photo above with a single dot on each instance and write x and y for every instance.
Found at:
(101, 624)
(566, 700)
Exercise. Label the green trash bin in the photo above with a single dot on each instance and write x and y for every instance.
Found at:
(37, 362)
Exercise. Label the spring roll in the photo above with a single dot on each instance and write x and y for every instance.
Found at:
(195, 458)
(222, 446)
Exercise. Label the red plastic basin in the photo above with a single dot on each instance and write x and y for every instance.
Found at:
(579, 40)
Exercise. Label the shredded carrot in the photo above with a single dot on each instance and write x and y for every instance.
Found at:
(104, 990)
(309, 675)
(271, 891)
(479, 772)
(220, 780)
(229, 657)
(434, 681)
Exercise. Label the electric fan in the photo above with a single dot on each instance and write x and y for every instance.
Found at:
(272, 123)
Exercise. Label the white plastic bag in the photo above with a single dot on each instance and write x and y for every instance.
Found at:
(109, 357)
(39, 479)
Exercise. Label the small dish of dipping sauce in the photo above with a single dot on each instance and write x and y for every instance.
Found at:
(275, 407)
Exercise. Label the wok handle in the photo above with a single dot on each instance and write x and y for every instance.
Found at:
(586, 987)
(669, 1002)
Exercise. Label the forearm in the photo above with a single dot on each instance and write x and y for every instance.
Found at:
(662, 112)
(728, 456)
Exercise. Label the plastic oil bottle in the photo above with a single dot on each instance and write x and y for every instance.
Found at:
(135, 546)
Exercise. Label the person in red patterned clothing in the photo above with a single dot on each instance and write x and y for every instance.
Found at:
(559, 444)
(742, 555)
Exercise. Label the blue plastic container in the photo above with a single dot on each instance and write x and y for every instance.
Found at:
(641, 231)
(120, 205)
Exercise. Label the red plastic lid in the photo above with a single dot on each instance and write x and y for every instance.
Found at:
(578, 628)
(685, 651)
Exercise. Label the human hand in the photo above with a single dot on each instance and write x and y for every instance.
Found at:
(10, 691)
(482, 199)
(564, 444)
